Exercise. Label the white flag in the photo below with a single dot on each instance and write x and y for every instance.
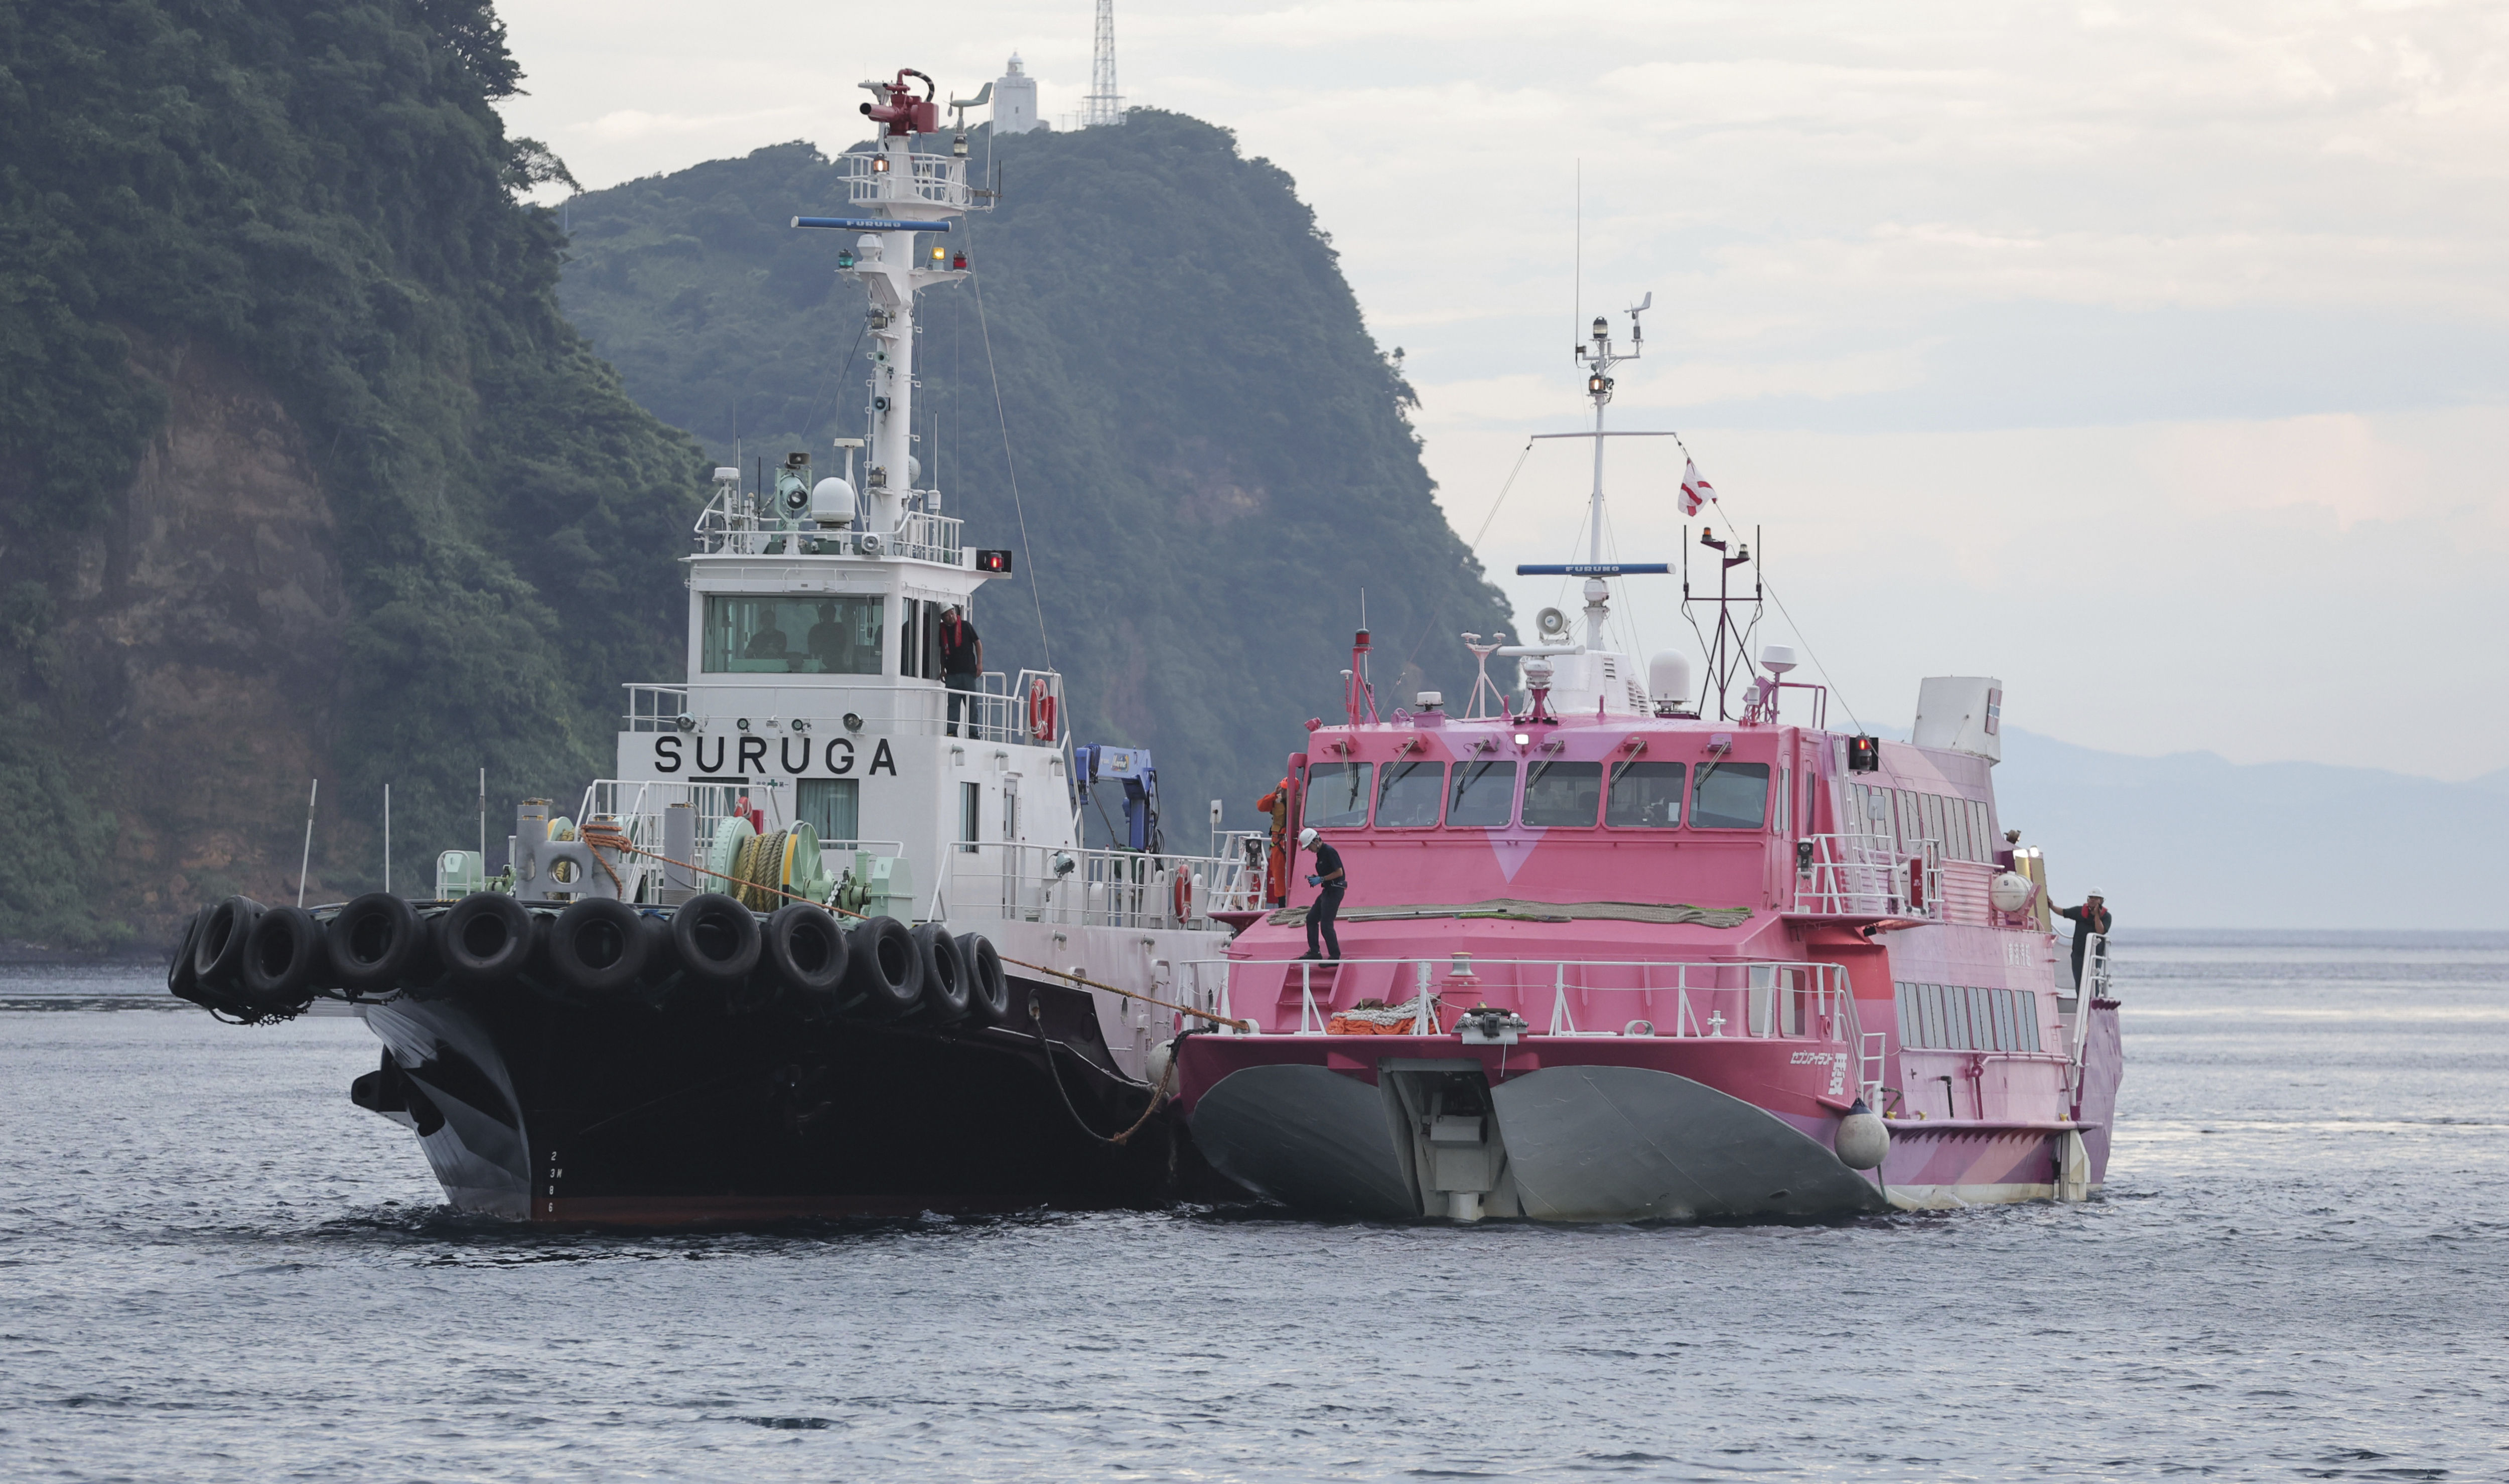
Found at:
(1696, 491)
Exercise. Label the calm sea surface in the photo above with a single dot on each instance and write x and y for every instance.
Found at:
(213, 1266)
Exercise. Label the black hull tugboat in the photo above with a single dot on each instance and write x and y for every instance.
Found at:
(829, 942)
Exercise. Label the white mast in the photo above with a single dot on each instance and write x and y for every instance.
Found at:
(1603, 357)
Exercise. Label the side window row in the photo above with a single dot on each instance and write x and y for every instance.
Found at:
(1904, 816)
(1955, 1017)
(1628, 794)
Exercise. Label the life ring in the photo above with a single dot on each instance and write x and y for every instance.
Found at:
(1040, 712)
(1180, 891)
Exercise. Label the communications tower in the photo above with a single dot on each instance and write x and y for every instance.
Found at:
(1103, 104)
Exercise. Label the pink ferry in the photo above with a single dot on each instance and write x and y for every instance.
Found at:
(1605, 958)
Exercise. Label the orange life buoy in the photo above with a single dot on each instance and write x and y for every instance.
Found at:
(1182, 892)
(1040, 712)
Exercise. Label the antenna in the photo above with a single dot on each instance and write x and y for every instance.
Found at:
(1103, 105)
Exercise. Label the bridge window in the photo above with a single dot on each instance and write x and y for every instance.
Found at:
(804, 634)
(1731, 796)
(1646, 795)
(1408, 797)
(1337, 795)
(1563, 795)
(1483, 794)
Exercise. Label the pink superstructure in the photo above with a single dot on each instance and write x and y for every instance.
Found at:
(1605, 959)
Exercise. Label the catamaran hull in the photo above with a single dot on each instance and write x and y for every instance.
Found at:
(531, 1109)
(1340, 1130)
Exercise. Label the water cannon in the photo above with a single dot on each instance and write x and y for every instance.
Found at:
(900, 112)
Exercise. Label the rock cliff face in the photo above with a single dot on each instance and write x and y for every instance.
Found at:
(302, 473)
(208, 618)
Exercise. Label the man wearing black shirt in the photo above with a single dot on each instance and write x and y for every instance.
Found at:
(1329, 875)
(2090, 918)
(962, 664)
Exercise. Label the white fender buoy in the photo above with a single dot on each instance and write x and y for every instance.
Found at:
(1162, 1055)
(1863, 1138)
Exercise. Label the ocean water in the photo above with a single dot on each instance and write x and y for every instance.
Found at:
(213, 1266)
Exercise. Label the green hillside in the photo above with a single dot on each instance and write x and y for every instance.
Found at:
(256, 245)
(1210, 448)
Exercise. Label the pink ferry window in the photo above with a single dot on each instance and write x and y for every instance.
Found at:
(1730, 796)
(1483, 796)
(1409, 794)
(1563, 795)
(1337, 795)
(1645, 796)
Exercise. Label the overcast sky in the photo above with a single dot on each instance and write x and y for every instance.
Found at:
(2152, 357)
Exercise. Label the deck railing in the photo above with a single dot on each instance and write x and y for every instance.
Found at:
(931, 181)
(1083, 887)
(1868, 875)
(727, 525)
(1027, 709)
(1758, 999)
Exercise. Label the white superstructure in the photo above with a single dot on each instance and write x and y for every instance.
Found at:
(815, 707)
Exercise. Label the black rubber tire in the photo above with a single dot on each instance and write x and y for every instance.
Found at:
(716, 939)
(597, 945)
(375, 943)
(217, 958)
(945, 976)
(486, 938)
(988, 988)
(281, 956)
(805, 948)
(884, 976)
(180, 975)
(662, 952)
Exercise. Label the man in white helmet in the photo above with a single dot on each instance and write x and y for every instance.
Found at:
(1331, 879)
(2089, 918)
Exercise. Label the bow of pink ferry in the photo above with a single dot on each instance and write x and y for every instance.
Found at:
(1605, 959)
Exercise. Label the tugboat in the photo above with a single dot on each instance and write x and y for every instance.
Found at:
(1609, 958)
(829, 942)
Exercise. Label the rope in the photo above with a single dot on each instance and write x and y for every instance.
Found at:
(1078, 978)
(1158, 1094)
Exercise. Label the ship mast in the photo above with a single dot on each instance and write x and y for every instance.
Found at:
(1601, 355)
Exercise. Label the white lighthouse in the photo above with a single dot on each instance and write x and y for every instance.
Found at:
(1015, 100)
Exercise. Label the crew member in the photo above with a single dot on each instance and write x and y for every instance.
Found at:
(2090, 918)
(1331, 879)
(963, 665)
(768, 642)
(1276, 876)
(832, 643)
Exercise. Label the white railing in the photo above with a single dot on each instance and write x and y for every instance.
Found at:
(926, 538)
(728, 525)
(635, 806)
(1027, 710)
(931, 181)
(1073, 886)
(1761, 999)
(655, 707)
(1868, 875)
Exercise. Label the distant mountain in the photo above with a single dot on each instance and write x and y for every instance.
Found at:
(1211, 454)
(2191, 839)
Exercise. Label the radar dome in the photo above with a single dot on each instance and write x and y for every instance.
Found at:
(1668, 679)
(832, 501)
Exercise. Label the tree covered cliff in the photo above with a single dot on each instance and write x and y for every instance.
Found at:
(301, 468)
(1210, 450)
